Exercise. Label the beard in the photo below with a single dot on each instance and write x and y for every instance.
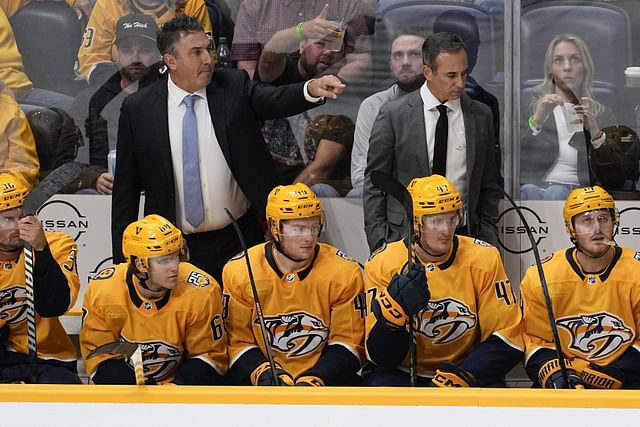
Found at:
(135, 71)
(12, 245)
(411, 84)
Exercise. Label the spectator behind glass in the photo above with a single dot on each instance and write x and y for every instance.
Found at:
(13, 75)
(553, 157)
(17, 146)
(97, 54)
(285, 61)
(405, 64)
(466, 27)
(80, 7)
(327, 144)
(259, 20)
(138, 61)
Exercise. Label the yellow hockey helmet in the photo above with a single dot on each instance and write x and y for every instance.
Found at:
(432, 195)
(587, 199)
(13, 191)
(151, 236)
(294, 201)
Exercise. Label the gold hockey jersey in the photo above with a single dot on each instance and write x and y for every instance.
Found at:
(598, 315)
(185, 323)
(98, 44)
(53, 341)
(471, 299)
(304, 310)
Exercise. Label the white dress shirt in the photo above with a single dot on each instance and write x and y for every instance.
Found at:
(456, 143)
(219, 188)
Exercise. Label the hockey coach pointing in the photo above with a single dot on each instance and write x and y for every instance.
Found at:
(192, 143)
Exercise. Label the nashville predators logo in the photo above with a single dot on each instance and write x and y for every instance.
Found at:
(13, 307)
(596, 335)
(446, 320)
(160, 360)
(296, 334)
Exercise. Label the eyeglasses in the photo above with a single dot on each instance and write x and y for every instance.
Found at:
(441, 222)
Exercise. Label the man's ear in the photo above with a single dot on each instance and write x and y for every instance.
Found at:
(169, 60)
(427, 72)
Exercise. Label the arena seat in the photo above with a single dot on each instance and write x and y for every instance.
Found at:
(394, 15)
(48, 35)
(56, 135)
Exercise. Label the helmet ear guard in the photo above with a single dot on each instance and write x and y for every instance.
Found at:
(152, 236)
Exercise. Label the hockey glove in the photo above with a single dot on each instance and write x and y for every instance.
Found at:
(309, 381)
(450, 375)
(595, 376)
(406, 295)
(263, 375)
(550, 375)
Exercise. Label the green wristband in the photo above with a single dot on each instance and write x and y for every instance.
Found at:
(299, 30)
(533, 123)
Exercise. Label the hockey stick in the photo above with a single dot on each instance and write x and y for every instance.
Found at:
(129, 350)
(545, 290)
(393, 188)
(52, 184)
(256, 301)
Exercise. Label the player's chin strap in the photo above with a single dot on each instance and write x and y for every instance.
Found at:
(418, 241)
(582, 251)
(276, 243)
(142, 279)
(143, 283)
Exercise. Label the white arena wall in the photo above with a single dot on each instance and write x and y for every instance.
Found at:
(108, 406)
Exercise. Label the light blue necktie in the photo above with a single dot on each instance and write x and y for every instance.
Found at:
(191, 185)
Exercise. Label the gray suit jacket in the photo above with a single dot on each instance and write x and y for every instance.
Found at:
(398, 147)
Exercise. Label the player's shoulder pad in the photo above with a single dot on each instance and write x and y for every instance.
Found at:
(105, 273)
(547, 259)
(341, 254)
(237, 256)
(480, 242)
(377, 251)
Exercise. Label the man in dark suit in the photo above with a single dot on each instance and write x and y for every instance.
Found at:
(402, 144)
(192, 143)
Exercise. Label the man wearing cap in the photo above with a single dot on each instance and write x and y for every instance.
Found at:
(96, 56)
(595, 293)
(138, 64)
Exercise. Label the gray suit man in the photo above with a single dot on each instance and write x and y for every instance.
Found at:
(402, 145)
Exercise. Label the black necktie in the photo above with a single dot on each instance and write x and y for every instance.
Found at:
(440, 146)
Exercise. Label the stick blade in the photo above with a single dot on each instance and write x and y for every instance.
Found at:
(117, 347)
(52, 184)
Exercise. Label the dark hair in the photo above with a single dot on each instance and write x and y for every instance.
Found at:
(439, 43)
(464, 25)
(407, 31)
(176, 28)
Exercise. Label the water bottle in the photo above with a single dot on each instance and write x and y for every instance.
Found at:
(224, 53)
(111, 162)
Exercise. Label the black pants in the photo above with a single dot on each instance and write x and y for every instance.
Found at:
(210, 250)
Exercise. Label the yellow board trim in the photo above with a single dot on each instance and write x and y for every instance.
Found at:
(343, 396)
